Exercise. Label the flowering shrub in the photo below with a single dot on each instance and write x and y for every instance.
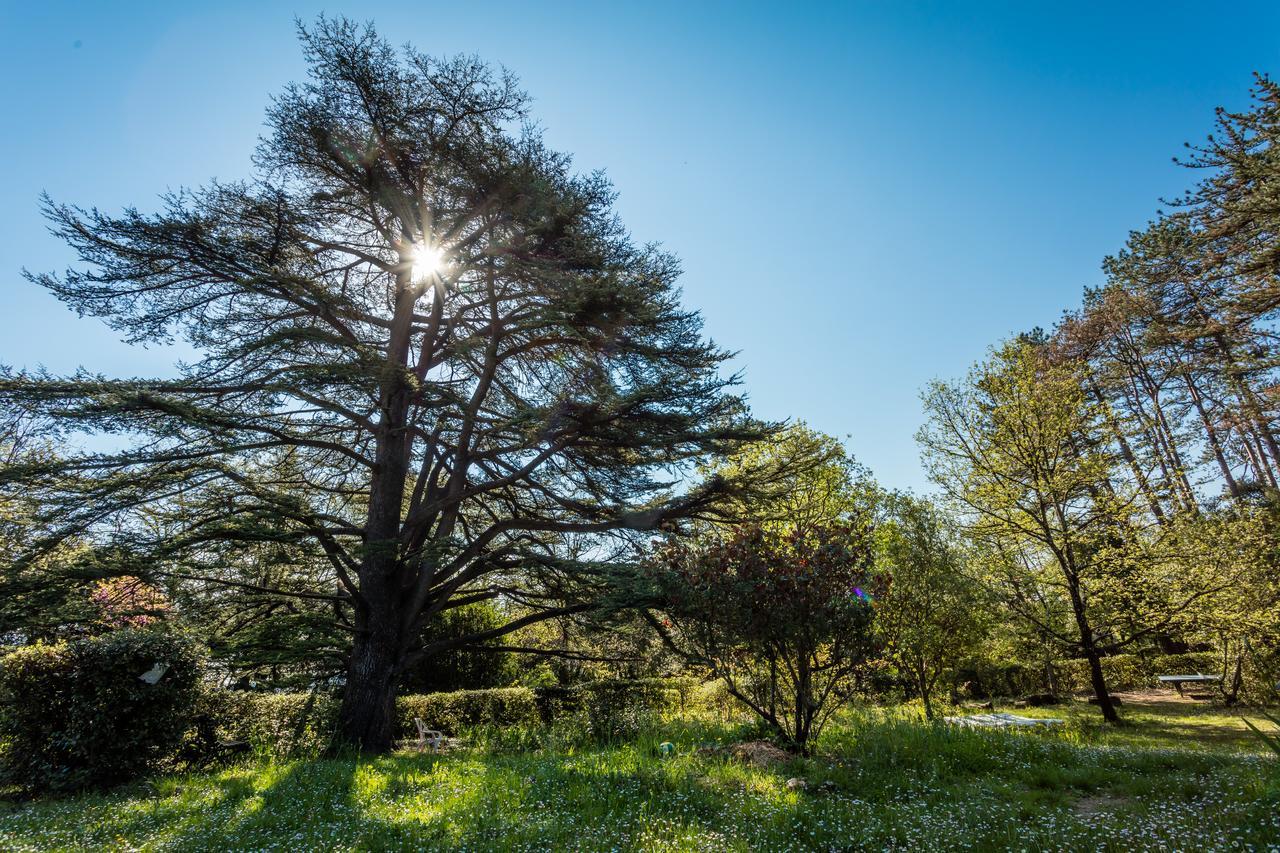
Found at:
(128, 602)
(79, 714)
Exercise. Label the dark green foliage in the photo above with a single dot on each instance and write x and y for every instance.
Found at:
(1207, 663)
(283, 725)
(982, 678)
(287, 725)
(76, 714)
(461, 667)
(416, 438)
(616, 708)
(935, 613)
(1122, 672)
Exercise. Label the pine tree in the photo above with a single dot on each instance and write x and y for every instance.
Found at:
(428, 351)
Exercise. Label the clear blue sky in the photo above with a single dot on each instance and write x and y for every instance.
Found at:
(865, 196)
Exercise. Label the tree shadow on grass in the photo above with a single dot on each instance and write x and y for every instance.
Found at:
(151, 811)
(517, 802)
(587, 800)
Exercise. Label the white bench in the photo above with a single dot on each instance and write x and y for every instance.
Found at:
(428, 737)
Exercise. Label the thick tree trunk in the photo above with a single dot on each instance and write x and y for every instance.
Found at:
(367, 716)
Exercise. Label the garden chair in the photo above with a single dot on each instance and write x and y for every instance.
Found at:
(428, 737)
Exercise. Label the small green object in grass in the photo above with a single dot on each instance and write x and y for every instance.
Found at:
(666, 749)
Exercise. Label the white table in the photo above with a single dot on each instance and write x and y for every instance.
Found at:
(1179, 680)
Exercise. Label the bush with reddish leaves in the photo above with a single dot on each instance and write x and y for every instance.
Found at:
(784, 619)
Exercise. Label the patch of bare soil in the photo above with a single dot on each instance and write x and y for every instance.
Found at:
(761, 753)
(1155, 696)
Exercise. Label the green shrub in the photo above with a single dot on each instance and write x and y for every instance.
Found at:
(1121, 672)
(1207, 663)
(611, 709)
(283, 725)
(555, 702)
(618, 709)
(986, 678)
(452, 712)
(464, 667)
(300, 724)
(1261, 674)
(713, 696)
(291, 725)
(77, 714)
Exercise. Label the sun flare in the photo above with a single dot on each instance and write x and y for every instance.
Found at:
(427, 261)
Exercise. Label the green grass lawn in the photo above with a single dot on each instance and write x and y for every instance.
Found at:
(1176, 776)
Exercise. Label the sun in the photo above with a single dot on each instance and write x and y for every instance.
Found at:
(427, 261)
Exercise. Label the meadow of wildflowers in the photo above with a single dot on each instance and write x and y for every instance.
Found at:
(880, 780)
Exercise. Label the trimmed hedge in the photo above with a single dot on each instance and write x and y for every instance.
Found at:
(278, 724)
(1208, 663)
(77, 714)
(985, 678)
(293, 724)
(615, 708)
(452, 712)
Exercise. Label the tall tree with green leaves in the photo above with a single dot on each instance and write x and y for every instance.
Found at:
(813, 480)
(427, 350)
(778, 601)
(933, 614)
(1021, 448)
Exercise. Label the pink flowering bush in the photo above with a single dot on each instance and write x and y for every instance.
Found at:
(128, 602)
